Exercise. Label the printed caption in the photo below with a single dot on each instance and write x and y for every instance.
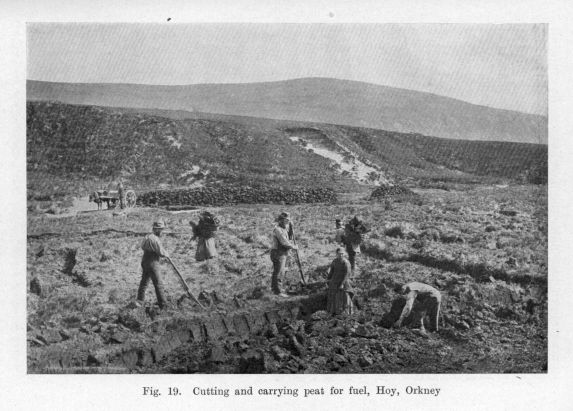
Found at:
(293, 392)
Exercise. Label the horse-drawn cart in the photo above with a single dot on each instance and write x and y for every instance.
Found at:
(112, 198)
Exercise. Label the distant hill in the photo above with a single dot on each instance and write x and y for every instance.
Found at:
(320, 100)
(73, 148)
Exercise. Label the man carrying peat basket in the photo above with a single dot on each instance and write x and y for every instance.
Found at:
(204, 231)
(353, 236)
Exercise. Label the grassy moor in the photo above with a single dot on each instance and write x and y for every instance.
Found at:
(468, 217)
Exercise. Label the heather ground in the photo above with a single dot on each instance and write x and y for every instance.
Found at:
(483, 246)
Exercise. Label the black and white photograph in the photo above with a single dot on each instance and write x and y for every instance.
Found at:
(218, 211)
(286, 198)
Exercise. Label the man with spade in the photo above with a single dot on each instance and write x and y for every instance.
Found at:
(281, 245)
(152, 252)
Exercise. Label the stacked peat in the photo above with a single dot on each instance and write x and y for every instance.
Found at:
(228, 195)
(384, 191)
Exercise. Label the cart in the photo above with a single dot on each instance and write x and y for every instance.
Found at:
(111, 198)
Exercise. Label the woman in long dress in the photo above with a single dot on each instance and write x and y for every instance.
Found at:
(339, 297)
(204, 231)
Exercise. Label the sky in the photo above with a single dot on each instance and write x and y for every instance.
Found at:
(501, 66)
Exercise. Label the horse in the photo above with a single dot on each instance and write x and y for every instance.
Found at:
(98, 200)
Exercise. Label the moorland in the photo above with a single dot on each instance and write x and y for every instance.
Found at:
(471, 220)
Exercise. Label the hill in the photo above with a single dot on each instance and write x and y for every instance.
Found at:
(74, 148)
(320, 100)
(81, 146)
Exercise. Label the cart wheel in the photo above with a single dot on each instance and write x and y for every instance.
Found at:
(130, 198)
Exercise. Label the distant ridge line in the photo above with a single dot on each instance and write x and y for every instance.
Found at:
(322, 100)
(286, 81)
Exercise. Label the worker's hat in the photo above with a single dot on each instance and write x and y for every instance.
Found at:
(159, 225)
(284, 216)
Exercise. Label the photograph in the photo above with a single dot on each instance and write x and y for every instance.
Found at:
(286, 198)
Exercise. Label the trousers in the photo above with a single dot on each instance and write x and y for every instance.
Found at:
(429, 306)
(351, 256)
(279, 262)
(151, 271)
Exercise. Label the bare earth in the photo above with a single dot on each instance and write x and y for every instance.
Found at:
(485, 248)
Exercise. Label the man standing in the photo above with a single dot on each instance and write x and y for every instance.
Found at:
(281, 244)
(152, 252)
(121, 194)
(428, 301)
(339, 236)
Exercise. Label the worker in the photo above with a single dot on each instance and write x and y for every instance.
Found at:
(281, 245)
(121, 194)
(339, 297)
(421, 299)
(353, 236)
(339, 235)
(153, 251)
(204, 231)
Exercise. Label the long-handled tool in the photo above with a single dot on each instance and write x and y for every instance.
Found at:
(297, 256)
(185, 286)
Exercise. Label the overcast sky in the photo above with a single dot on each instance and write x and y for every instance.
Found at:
(503, 66)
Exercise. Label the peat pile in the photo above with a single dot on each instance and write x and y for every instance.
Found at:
(227, 195)
(390, 190)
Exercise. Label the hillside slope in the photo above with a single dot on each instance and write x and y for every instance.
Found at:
(321, 100)
(404, 154)
(73, 148)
